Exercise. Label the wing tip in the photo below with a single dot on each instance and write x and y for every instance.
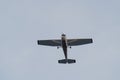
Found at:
(37, 42)
(91, 40)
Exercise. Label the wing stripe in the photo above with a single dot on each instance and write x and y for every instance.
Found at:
(49, 42)
(74, 42)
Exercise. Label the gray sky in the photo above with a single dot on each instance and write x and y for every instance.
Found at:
(23, 22)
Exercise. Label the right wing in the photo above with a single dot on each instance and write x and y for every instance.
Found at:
(74, 42)
(49, 42)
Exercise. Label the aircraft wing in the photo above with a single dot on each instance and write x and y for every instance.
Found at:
(75, 42)
(49, 42)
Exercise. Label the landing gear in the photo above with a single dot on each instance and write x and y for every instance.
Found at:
(58, 47)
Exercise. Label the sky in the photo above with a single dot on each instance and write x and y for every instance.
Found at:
(23, 22)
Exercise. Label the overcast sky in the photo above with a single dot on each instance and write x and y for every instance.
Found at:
(23, 22)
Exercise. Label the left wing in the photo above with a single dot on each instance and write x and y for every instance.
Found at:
(74, 42)
(49, 42)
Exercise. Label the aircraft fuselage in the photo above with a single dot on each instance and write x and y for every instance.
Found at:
(64, 44)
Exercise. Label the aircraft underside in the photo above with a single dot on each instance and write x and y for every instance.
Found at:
(65, 43)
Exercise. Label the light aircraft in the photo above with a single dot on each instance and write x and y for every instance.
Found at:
(65, 43)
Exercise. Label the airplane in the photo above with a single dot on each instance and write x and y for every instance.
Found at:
(65, 43)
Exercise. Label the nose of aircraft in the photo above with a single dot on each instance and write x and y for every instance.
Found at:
(63, 35)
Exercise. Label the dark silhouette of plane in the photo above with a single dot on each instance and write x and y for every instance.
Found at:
(65, 43)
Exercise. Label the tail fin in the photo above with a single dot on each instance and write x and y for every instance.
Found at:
(64, 61)
(71, 61)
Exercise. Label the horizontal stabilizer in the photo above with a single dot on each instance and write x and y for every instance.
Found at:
(71, 61)
(64, 61)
